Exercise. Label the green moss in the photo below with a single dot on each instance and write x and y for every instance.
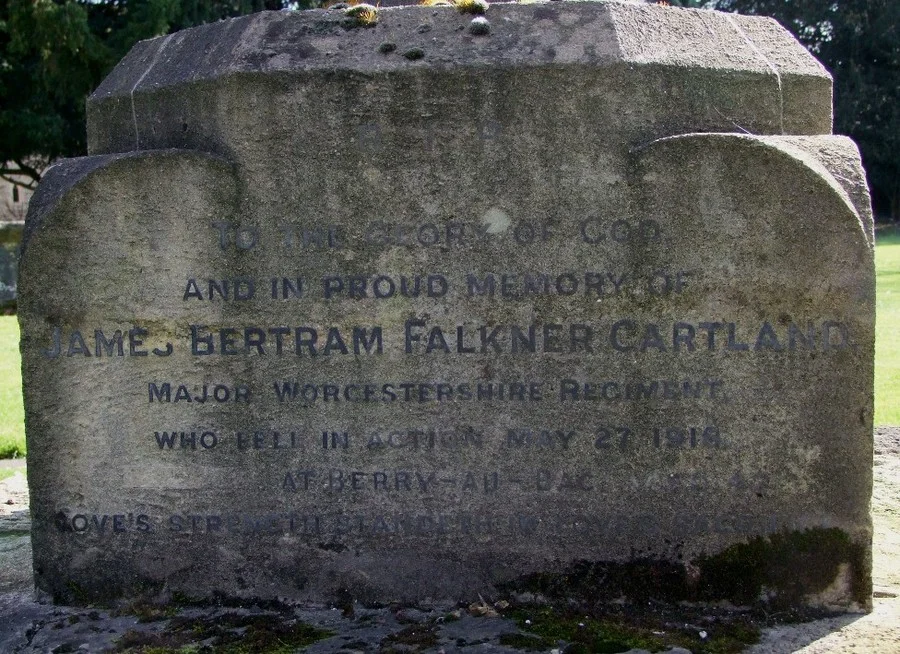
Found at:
(76, 594)
(224, 634)
(654, 628)
(268, 635)
(414, 54)
(787, 566)
(361, 15)
(585, 634)
(477, 7)
(148, 611)
(138, 642)
(779, 570)
(655, 605)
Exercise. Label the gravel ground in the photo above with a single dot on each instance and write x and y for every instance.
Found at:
(31, 626)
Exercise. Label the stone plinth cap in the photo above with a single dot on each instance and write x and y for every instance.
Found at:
(591, 33)
(721, 51)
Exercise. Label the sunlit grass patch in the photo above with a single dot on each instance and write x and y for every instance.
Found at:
(887, 319)
(12, 415)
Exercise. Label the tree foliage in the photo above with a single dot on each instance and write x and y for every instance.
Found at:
(49, 61)
(859, 42)
(54, 52)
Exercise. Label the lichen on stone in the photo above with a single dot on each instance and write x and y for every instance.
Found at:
(361, 15)
(480, 26)
(471, 6)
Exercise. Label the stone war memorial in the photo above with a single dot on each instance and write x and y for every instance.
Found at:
(405, 304)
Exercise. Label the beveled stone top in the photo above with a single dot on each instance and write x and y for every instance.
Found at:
(715, 48)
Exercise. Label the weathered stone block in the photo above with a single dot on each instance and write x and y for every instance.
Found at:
(425, 328)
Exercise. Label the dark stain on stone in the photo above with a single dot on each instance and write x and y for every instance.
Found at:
(302, 50)
(789, 565)
(256, 59)
(779, 571)
(343, 600)
(545, 13)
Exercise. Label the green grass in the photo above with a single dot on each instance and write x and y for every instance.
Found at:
(887, 352)
(887, 339)
(12, 415)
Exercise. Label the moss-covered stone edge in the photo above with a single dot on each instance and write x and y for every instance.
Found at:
(785, 571)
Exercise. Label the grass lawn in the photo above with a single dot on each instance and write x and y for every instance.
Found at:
(5, 473)
(887, 336)
(12, 416)
(887, 352)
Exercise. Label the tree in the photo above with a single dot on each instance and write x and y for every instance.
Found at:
(53, 53)
(49, 61)
(859, 42)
